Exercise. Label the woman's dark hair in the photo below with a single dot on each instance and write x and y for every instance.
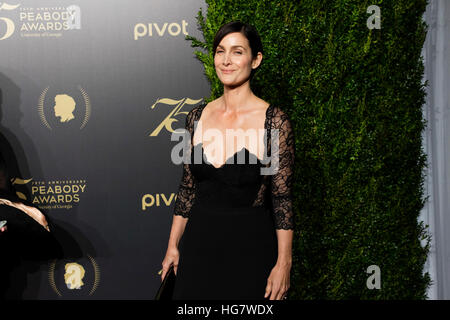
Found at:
(247, 30)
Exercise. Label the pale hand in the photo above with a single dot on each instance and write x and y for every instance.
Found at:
(278, 282)
(172, 257)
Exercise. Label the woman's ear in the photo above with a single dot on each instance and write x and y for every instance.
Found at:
(257, 60)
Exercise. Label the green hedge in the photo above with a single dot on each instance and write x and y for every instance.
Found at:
(354, 95)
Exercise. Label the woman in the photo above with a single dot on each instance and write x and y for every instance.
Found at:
(232, 229)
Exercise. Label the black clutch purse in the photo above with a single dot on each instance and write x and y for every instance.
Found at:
(167, 286)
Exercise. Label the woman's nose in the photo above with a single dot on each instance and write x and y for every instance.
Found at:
(227, 59)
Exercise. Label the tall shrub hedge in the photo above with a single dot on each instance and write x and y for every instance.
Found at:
(354, 95)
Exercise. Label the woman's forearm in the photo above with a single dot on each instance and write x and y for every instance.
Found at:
(285, 246)
(178, 225)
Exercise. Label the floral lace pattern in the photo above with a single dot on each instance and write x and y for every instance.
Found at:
(186, 191)
(277, 186)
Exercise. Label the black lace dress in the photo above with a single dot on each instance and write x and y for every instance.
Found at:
(229, 245)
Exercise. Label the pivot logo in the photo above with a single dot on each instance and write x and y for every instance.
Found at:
(150, 29)
(150, 200)
(8, 27)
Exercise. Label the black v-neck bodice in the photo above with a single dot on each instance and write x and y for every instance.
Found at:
(238, 183)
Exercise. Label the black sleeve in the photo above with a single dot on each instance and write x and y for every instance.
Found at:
(186, 190)
(282, 180)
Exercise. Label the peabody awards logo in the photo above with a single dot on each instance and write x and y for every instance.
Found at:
(38, 22)
(78, 278)
(64, 108)
(57, 194)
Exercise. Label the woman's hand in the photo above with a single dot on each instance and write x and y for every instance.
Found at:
(278, 282)
(172, 257)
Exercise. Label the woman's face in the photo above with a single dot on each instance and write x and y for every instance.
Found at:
(233, 59)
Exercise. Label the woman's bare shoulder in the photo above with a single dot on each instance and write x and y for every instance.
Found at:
(263, 104)
(212, 104)
(210, 108)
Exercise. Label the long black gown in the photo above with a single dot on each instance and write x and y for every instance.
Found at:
(229, 245)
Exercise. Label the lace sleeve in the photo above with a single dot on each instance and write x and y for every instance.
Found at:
(281, 181)
(186, 190)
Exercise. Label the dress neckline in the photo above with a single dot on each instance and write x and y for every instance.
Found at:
(266, 121)
(258, 160)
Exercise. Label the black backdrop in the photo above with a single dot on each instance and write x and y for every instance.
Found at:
(97, 158)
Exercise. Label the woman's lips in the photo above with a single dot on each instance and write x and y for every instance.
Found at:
(227, 71)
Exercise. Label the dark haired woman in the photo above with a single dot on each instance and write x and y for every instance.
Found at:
(232, 229)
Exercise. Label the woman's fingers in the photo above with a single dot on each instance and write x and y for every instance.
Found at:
(281, 293)
(275, 292)
(268, 288)
(286, 289)
(163, 274)
(165, 268)
(170, 259)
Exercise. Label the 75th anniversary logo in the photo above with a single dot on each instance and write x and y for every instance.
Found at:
(39, 21)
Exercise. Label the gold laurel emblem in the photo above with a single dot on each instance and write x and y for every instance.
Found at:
(64, 107)
(74, 274)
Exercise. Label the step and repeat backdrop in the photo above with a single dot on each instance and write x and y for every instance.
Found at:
(90, 92)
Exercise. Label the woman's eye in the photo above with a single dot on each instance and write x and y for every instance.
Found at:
(238, 52)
